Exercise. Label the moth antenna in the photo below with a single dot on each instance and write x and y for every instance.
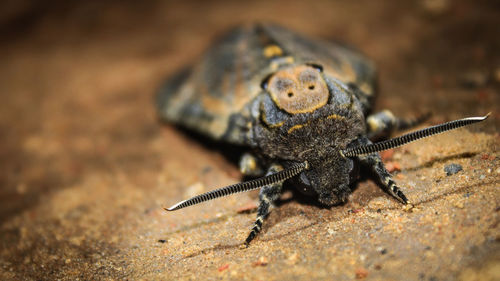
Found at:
(243, 186)
(410, 137)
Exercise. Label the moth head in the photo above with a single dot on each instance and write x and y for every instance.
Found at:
(298, 88)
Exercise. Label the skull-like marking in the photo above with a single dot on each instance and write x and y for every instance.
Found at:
(298, 89)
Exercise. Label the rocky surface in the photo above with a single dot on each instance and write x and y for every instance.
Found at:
(86, 168)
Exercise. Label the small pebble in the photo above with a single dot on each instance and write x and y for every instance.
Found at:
(224, 267)
(292, 259)
(409, 208)
(381, 250)
(355, 211)
(482, 177)
(392, 166)
(361, 273)
(261, 262)
(452, 169)
(330, 231)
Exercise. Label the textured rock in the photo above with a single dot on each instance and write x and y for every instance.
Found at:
(452, 169)
(86, 168)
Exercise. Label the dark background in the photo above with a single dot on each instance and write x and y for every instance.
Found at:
(85, 167)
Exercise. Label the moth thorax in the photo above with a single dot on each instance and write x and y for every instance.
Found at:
(298, 89)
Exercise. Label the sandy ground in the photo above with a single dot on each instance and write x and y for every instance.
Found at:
(86, 167)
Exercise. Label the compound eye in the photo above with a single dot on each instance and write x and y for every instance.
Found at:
(303, 184)
(298, 89)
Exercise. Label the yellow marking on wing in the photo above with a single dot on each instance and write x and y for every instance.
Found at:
(299, 126)
(296, 127)
(310, 109)
(272, 51)
(276, 63)
(335, 116)
(217, 127)
(277, 125)
(269, 124)
(367, 89)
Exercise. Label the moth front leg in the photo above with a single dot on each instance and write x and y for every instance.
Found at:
(267, 195)
(374, 162)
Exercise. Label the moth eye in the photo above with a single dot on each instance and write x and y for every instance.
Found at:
(311, 87)
(290, 94)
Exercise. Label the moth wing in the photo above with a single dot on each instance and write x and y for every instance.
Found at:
(210, 96)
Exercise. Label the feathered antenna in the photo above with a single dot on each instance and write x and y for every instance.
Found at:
(410, 137)
(243, 186)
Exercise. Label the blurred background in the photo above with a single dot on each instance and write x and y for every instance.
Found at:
(85, 166)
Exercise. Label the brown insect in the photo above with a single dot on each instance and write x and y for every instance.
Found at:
(301, 106)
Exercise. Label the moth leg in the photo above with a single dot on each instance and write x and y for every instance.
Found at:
(249, 165)
(374, 162)
(381, 124)
(267, 195)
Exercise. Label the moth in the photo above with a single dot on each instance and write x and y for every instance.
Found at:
(302, 107)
